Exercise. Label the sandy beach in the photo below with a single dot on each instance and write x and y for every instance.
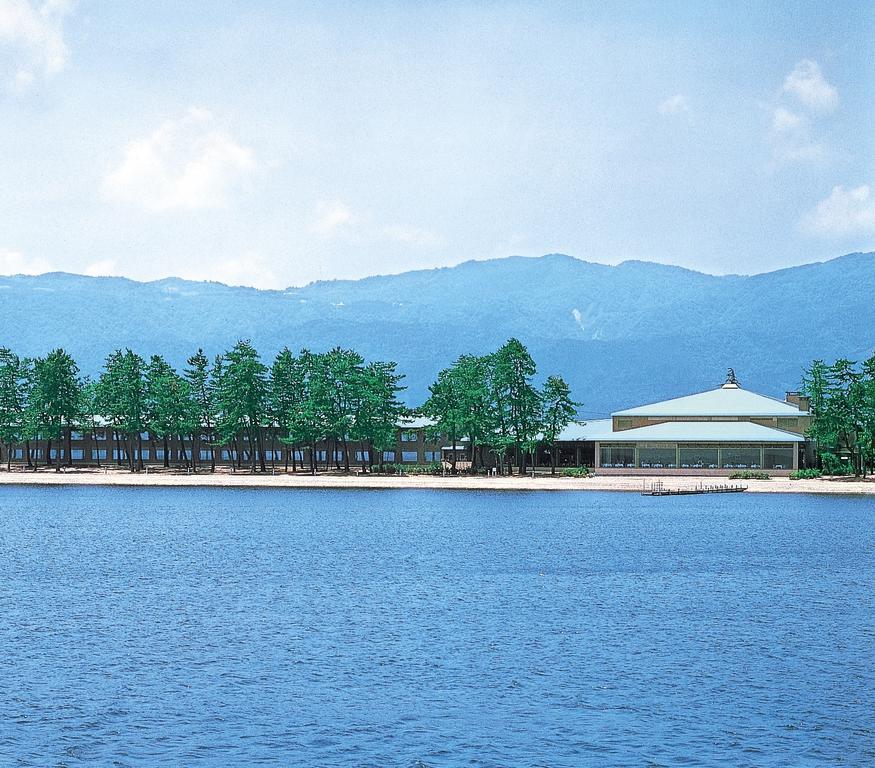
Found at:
(224, 479)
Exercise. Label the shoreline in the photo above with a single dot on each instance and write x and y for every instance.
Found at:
(617, 483)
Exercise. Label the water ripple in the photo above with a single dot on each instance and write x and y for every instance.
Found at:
(418, 629)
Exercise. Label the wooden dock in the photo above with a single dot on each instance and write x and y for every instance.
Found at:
(658, 489)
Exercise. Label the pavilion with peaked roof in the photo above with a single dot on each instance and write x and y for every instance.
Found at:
(718, 431)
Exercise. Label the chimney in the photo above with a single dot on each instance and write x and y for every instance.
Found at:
(802, 402)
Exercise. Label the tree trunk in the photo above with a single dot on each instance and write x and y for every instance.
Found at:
(273, 451)
(259, 438)
(345, 454)
(49, 452)
(212, 448)
(251, 451)
(553, 458)
(69, 446)
(27, 451)
(185, 458)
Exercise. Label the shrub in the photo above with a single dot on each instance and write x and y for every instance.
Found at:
(574, 472)
(833, 465)
(433, 468)
(749, 475)
(805, 474)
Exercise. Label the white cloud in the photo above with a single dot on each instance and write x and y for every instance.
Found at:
(808, 84)
(35, 35)
(412, 236)
(783, 120)
(674, 105)
(792, 141)
(335, 219)
(185, 164)
(103, 268)
(250, 269)
(14, 263)
(331, 218)
(844, 212)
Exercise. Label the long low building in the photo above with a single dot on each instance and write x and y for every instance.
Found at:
(718, 431)
(714, 432)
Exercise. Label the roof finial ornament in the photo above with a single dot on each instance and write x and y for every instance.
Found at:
(730, 377)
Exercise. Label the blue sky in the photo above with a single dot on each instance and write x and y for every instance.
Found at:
(272, 143)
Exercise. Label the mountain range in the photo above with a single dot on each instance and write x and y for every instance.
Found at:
(621, 335)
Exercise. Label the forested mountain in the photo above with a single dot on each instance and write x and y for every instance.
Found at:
(620, 335)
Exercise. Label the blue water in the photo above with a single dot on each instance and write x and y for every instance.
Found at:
(394, 628)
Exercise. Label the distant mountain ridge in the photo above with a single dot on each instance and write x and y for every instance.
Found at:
(622, 335)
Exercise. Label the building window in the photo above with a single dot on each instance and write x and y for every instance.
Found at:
(159, 453)
(409, 457)
(699, 458)
(617, 456)
(361, 456)
(75, 435)
(338, 456)
(409, 436)
(388, 455)
(777, 458)
(432, 455)
(320, 455)
(273, 455)
(118, 454)
(77, 454)
(656, 458)
(98, 453)
(100, 435)
(19, 453)
(205, 455)
(741, 458)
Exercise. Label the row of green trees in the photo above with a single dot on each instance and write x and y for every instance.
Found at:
(842, 399)
(309, 398)
(334, 398)
(492, 403)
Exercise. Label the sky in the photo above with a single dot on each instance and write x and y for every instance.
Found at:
(274, 143)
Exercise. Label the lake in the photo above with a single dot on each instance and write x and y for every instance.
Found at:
(434, 628)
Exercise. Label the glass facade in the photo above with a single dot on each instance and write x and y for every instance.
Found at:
(699, 458)
(657, 457)
(617, 456)
(696, 456)
(778, 457)
(741, 457)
